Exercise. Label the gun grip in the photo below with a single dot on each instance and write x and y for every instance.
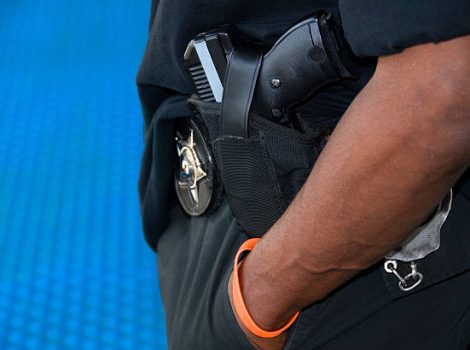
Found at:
(299, 63)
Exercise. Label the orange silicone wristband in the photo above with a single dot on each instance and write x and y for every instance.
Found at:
(239, 305)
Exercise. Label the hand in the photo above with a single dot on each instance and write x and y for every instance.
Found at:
(276, 343)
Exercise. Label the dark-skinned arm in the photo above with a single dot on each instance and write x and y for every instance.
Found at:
(400, 146)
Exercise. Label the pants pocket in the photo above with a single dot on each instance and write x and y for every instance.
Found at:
(228, 323)
(195, 258)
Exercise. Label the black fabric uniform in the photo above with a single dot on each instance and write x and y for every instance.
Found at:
(195, 254)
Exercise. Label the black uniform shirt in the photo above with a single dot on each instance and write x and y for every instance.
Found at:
(372, 28)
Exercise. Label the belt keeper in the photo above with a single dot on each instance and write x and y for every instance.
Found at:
(239, 306)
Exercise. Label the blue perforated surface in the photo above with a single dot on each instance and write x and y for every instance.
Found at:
(75, 272)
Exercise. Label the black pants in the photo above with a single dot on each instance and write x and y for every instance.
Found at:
(194, 262)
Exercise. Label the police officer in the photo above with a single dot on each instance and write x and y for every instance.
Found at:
(318, 276)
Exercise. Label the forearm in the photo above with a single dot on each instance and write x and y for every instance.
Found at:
(395, 153)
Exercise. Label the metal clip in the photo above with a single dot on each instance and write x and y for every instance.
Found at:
(408, 282)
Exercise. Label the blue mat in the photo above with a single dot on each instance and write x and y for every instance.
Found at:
(75, 272)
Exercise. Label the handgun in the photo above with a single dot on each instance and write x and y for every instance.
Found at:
(309, 55)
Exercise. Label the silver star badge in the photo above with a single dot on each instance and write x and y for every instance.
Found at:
(191, 171)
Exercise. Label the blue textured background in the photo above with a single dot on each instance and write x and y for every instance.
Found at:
(75, 272)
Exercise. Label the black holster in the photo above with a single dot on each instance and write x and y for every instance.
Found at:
(261, 172)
